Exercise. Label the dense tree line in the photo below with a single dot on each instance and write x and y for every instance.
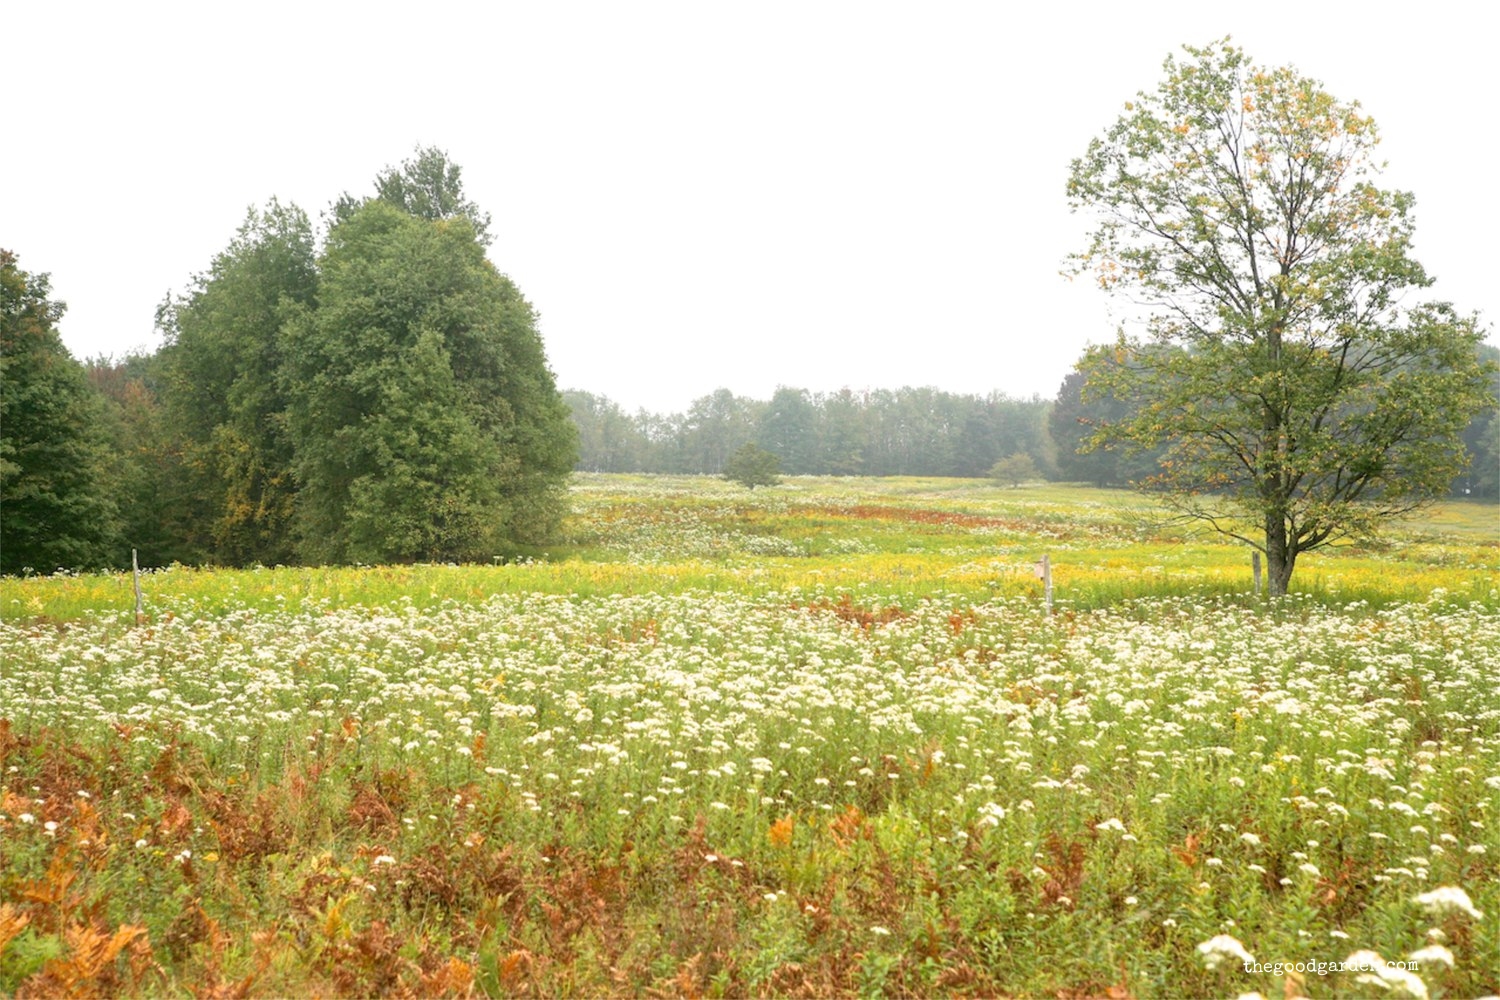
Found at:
(918, 432)
(1481, 439)
(885, 432)
(380, 396)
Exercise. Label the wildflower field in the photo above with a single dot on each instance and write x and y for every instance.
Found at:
(821, 739)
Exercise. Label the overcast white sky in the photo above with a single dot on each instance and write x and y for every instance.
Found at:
(694, 195)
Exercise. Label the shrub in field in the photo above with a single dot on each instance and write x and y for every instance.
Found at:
(1014, 470)
(752, 466)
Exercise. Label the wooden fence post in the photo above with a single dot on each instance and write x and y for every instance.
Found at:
(1044, 573)
(135, 570)
(1255, 568)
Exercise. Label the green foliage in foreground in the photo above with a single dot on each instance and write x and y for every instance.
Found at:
(727, 794)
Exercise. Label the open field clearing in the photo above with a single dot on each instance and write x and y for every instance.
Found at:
(911, 537)
(816, 740)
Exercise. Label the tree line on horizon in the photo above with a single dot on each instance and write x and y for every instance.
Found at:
(921, 431)
(190, 455)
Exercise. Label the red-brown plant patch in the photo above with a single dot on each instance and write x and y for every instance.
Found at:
(846, 610)
(1064, 868)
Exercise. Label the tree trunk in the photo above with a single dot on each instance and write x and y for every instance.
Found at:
(1279, 557)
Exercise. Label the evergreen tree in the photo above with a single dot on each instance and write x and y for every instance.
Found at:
(55, 507)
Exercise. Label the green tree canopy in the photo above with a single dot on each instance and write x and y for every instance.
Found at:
(1013, 470)
(222, 364)
(1072, 422)
(608, 439)
(56, 511)
(1301, 400)
(156, 496)
(428, 186)
(789, 429)
(752, 466)
(424, 421)
(1481, 480)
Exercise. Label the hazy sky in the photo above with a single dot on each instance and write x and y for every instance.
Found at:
(694, 195)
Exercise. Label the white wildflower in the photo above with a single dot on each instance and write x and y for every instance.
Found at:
(1379, 972)
(1432, 953)
(1219, 949)
(1448, 899)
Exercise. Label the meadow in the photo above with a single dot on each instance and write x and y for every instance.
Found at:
(820, 739)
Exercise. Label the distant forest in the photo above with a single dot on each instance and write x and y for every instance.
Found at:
(905, 432)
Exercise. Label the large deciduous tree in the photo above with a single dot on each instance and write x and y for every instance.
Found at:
(424, 421)
(1300, 399)
(789, 430)
(56, 511)
(224, 397)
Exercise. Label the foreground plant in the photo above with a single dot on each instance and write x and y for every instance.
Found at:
(734, 794)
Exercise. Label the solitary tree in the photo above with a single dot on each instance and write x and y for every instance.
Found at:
(752, 466)
(1013, 470)
(1300, 401)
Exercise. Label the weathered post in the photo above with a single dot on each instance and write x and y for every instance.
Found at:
(1044, 573)
(135, 571)
(1255, 568)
